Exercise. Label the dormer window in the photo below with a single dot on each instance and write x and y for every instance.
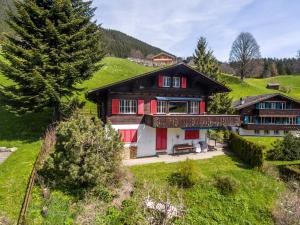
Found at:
(176, 82)
(166, 81)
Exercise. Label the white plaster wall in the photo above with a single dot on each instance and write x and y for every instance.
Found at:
(244, 132)
(146, 140)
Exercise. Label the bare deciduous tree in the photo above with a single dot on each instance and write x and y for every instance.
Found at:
(298, 54)
(243, 51)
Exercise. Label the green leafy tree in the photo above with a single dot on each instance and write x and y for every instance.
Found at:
(205, 61)
(55, 46)
(86, 154)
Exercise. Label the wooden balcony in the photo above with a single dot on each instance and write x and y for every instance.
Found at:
(279, 112)
(189, 121)
(271, 126)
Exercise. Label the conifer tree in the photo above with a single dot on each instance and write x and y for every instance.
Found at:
(206, 63)
(204, 60)
(55, 46)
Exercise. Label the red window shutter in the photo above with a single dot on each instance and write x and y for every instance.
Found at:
(115, 106)
(128, 136)
(192, 134)
(202, 107)
(160, 81)
(153, 106)
(183, 82)
(141, 107)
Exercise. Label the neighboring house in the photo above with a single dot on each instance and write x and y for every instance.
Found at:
(274, 86)
(157, 110)
(163, 59)
(268, 115)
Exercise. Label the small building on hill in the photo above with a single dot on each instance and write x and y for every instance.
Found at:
(268, 115)
(162, 111)
(163, 59)
(274, 86)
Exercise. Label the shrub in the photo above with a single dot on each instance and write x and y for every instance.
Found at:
(86, 154)
(249, 152)
(226, 185)
(287, 150)
(185, 175)
(290, 172)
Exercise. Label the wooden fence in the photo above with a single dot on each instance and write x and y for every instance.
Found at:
(48, 143)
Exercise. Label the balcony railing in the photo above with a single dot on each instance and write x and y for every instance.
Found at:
(189, 121)
(279, 112)
(287, 127)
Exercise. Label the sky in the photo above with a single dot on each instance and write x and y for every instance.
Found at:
(176, 25)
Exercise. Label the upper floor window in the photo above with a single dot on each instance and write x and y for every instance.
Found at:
(178, 107)
(176, 82)
(167, 81)
(194, 107)
(162, 107)
(128, 106)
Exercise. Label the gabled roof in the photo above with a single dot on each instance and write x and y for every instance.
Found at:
(163, 53)
(180, 68)
(251, 100)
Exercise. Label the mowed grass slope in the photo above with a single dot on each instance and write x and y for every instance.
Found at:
(23, 132)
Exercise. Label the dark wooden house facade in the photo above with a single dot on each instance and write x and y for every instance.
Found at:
(268, 115)
(157, 110)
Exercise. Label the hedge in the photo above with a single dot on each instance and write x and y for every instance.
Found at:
(249, 152)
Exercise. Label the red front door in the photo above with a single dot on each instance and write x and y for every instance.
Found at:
(161, 139)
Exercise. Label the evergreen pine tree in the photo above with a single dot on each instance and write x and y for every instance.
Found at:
(204, 60)
(55, 46)
(206, 63)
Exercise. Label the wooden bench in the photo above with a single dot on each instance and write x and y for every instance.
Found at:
(183, 148)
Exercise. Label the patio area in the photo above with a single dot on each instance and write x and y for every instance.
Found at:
(172, 158)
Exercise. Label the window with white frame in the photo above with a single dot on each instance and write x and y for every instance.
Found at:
(176, 82)
(162, 107)
(128, 106)
(167, 81)
(194, 107)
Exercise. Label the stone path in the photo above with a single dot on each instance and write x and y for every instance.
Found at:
(3, 156)
(172, 158)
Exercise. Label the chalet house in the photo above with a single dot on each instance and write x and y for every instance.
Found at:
(268, 115)
(163, 59)
(158, 110)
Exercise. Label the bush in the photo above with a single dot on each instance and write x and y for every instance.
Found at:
(249, 152)
(290, 172)
(226, 185)
(286, 150)
(86, 154)
(184, 176)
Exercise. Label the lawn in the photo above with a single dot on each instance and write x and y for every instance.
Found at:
(257, 86)
(204, 203)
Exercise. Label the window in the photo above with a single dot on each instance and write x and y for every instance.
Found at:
(276, 132)
(194, 107)
(176, 82)
(128, 106)
(128, 136)
(191, 134)
(167, 81)
(162, 107)
(178, 107)
(266, 132)
(256, 132)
